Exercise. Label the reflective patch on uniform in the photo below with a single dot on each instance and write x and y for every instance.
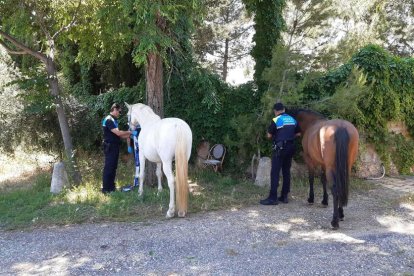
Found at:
(284, 120)
(109, 117)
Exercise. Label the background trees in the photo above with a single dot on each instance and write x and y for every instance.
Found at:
(32, 30)
(176, 55)
(222, 41)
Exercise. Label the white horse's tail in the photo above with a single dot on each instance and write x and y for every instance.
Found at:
(181, 171)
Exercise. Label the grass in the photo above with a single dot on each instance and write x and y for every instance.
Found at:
(35, 206)
(32, 204)
(408, 199)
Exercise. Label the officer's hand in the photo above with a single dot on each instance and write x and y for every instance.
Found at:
(130, 149)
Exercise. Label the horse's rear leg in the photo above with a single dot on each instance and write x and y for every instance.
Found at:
(331, 180)
(167, 167)
(159, 176)
(335, 218)
(325, 193)
(311, 179)
(341, 212)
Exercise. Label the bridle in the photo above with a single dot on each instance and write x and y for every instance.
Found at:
(131, 127)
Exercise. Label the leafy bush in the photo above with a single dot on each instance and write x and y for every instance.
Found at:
(380, 90)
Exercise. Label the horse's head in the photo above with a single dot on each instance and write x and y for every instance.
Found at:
(139, 114)
(132, 118)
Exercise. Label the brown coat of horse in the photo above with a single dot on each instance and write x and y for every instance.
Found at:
(333, 145)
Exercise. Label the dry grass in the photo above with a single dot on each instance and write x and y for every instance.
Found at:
(19, 170)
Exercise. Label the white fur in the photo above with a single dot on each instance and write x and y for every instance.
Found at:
(158, 141)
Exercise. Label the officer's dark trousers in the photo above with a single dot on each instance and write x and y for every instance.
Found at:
(281, 160)
(111, 163)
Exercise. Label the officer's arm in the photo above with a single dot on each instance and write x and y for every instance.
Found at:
(271, 129)
(121, 133)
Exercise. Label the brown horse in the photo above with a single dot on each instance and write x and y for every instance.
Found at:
(333, 145)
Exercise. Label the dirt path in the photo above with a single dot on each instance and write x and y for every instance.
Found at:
(376, 238)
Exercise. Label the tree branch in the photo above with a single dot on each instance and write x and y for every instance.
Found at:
(11, 51)
(72, 22)
(39, 18)
(23, 47)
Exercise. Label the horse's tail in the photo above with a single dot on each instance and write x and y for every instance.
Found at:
(181, 171)
(341, 167)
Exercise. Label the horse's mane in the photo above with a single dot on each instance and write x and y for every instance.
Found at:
(295, 111)
(146, 113)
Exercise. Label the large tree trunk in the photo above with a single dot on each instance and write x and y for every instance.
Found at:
(48, 60)
(63, 122)
(155, 99)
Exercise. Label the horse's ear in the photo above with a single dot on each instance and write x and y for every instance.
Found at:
(127, 105)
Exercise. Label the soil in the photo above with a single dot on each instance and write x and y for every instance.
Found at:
(376, 238)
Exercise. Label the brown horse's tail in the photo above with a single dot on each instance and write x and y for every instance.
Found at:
(181, 167)
(341, 166)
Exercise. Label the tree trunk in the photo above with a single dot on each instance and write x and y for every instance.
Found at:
(63, 122)
(48, 60)
(155, 100)
(225, 59)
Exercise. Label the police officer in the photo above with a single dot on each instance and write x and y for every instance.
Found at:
(282, 131)
(112, 140)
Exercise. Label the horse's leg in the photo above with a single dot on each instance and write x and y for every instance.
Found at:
(159, 175)
(141, 173)
(341, 212)
(167, 167)
(335, 218)
(331, 180)
(325, 193)
(311, 178)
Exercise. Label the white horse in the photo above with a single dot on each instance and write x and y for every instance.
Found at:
(161, 141)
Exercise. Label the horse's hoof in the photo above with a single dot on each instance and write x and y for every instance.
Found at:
(335, 225)
(324, 203)
(170, 214)
(310, 201)
(181, 214)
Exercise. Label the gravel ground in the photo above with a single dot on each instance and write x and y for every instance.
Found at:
(376, 238)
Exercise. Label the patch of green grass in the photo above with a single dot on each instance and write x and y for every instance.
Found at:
(35, 206)
(408, 199)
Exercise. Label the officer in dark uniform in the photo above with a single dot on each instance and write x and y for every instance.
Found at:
(282, 131)
(112, 140)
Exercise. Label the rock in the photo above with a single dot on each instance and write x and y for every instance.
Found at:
(263, 172)
(59, 178)
(202, 153)
(369, 164)
(398, 127)
(299, 170)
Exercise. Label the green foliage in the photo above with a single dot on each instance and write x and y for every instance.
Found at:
(379, 91)
(87, 117)
(196, 96)
(403, 153)
(145, 25)
(269, 24)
